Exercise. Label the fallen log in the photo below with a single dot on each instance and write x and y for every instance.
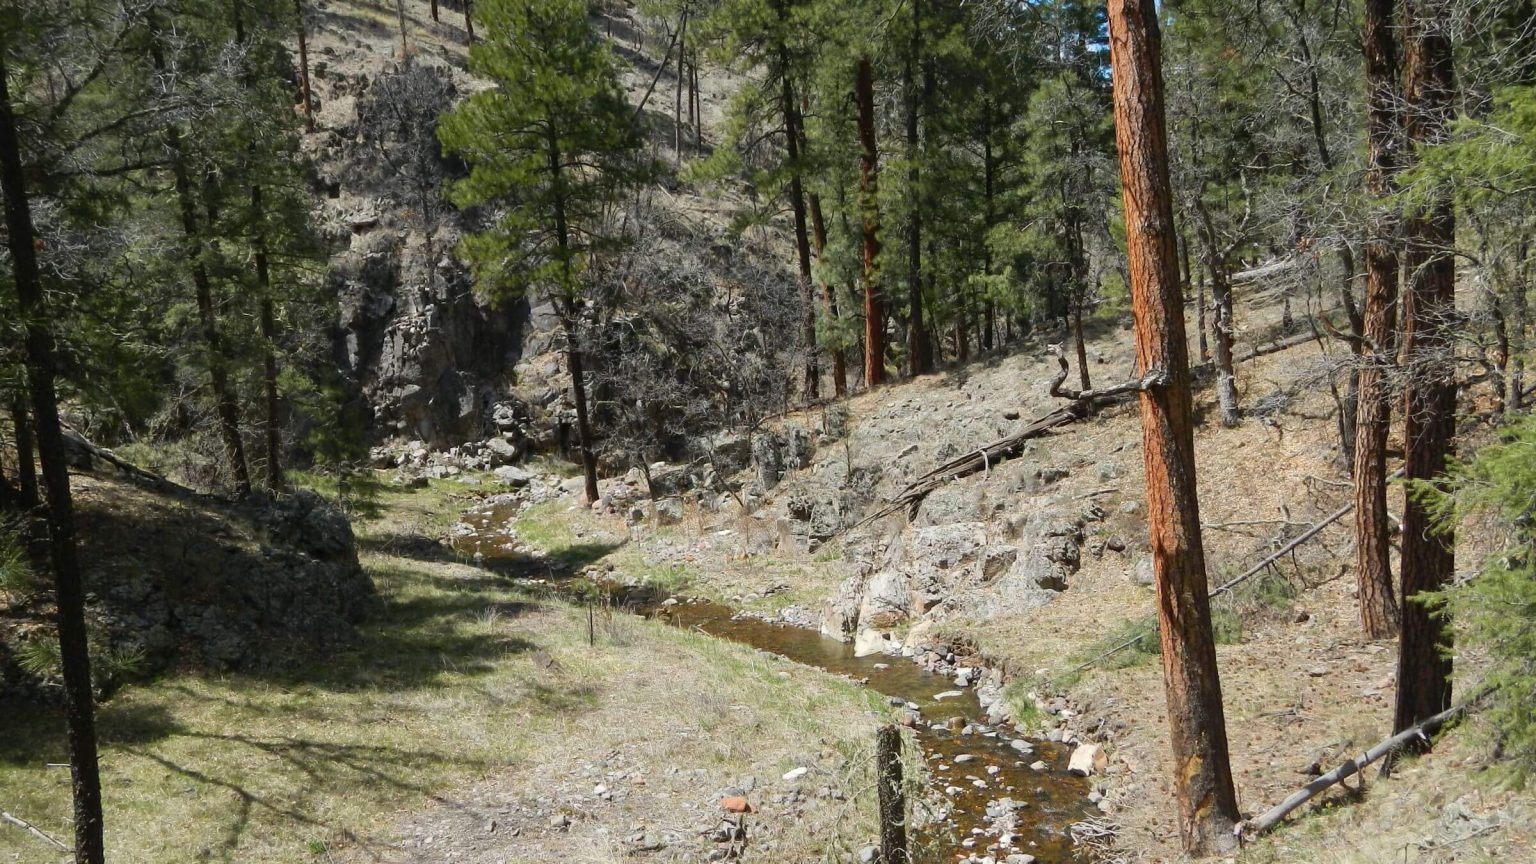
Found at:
(1082, 404)
(1253, 828)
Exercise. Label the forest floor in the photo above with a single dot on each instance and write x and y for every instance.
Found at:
(1303, 690)
(474, 723)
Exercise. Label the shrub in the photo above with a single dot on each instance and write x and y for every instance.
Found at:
(1495, 612)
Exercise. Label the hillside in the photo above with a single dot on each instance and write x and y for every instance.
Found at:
(587, 456)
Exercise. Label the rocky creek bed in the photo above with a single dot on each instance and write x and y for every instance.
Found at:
(993, 796)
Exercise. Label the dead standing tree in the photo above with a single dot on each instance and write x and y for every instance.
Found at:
(1202, 775)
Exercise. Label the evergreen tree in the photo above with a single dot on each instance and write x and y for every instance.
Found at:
(552, 148)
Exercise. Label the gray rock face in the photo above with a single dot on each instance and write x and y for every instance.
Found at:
(424, 353)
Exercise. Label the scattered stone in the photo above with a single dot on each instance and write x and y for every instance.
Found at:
(736, 804)
(796, 773)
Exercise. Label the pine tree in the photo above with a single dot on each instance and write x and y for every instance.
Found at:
(1202, 774)
(69, 590)
(552, 147)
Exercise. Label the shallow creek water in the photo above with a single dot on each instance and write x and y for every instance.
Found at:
(971, 765)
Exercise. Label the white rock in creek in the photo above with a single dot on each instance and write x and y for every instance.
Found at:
(948, 694)
(1087, 760)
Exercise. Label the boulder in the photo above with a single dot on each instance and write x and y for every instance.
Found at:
(887, 602)
(514, 476)
(1088, 760)
(500, 451)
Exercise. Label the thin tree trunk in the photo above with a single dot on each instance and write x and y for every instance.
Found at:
(434, 11)
(272, 429)
(819, 236)
(69, 592)
(677, 102)
(918, 359)
(1202, 774)
(1205, 345)
(304, 90)
(26, 467)
(405, 47)
(225, 406)
(792, 137)
(874, 308)
(469, 21)
(1373, 566)
(698, 103)
(569, 308)
(1349, 406)
(1221, 324)
(1428, 562)
(989, 219)
(1518, 314)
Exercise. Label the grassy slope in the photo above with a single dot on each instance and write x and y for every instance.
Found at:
(461, 679)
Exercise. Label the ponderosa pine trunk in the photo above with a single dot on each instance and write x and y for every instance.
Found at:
(226, 409)
(69, 590)
(869, 204)
(677, 103)
(469, 21)
(819, 236)
(1373, 566)
(1202, 775)
(1429, 405)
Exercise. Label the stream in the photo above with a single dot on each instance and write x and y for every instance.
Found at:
(997, 804)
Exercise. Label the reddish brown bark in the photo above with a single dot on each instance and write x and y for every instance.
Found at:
(1429, 405)
(874, 306)
(1202, 774)
(1373, 568)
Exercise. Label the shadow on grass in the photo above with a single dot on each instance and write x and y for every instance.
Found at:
(34, 732)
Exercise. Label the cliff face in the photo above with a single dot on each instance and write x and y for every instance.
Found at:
(426, 353)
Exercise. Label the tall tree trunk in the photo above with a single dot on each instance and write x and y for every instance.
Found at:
(792, 138)
(989, 219)
(1423, 672)
(271, 427)
(869, 203)
(434, 11)
(1373, 566)
(26, 467)
(1202, 774)
(697, 100)
(469, 21)
(569, 309)
(304, 91)
(225, 407)
(69, 592)
(829, 294)
(918, 355)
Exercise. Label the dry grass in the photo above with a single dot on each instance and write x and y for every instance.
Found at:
(463, 680)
